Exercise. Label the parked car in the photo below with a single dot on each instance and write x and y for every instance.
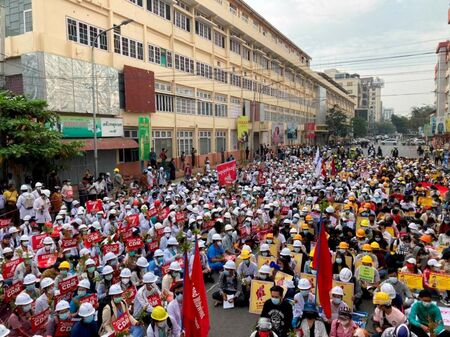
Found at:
(389, 142)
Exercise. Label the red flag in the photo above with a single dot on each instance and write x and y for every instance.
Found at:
(324, 169)
(195, 302)
(322, 263)
(333, 168)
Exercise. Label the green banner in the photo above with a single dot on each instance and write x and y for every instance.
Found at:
(78, 127)
(144, 138)
(367, 274)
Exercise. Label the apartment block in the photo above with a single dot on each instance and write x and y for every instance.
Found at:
(194, 67)
(441, 79)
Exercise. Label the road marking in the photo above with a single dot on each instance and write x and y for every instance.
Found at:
(212, 287)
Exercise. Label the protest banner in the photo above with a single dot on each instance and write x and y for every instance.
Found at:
(259, 294)
(165, 267)
(122, 323)
(349, 289)
(367, 274)
(68, 285)
(10, 267)
(111, 248)
(154, 300)
(64, 328)
(134, 243)
(129, 294)
(13, 291)
(298, 257)
(440, 281)
(265, 260)
(226, 173)
(37, 241)
(179, 217)
(38, 321)
(47, 260)
(94, 206)
(90, 299)
(5, 222)
(132, 220)
(69, 243)
(281, 277)
(412, 281)
(152, 246)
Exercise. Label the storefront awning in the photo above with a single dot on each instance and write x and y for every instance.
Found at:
(106, 143)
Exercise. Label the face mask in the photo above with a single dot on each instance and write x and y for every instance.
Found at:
(31, 287)
(160, 260)
(26, 308)
(263, 276)
(392, 280)
(247, 262)
(24, 243)
(226, 273)
(67, 256)
(175, 275)
(297, 250)
(337, 300)
(265, 253)
(342, 251)
(88, 319)
(180, 297)
(304, 293)
(377, 238)
(426, 304)
(47, 248)
(305, 231)
(117, 300)
(275, 301)
(91, 269)
(161, 324)
(167, 235)
(133, 253)
(82, 292)
(269, 241)
(108, 277)
(338, 260)
(63, 316)
(219, 243)
(314, 272)
(125, 280)
(64, 273)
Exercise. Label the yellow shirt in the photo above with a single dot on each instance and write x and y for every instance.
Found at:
(10, 197)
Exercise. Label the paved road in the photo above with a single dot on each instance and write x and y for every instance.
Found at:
(403, 151)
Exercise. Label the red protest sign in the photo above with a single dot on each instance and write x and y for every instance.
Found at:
(152, 246)
(5, 223)
(129, 294)
(90, 299)
(66, 297)
(47, 260)
(93, 238)
(39, 320)
(133, 220)
(226, 173)
(69, 243)
(134, 243)
(152, 212)
(164, 213)
(111, 248)
(179, 217)
(122, 323)
(37, 241)
(165, 267)
(10, 267)
(94, 206)
(154, 300)
(64, 328)
(207, 225)
(13, 291)
(68, 285)
(284, 210)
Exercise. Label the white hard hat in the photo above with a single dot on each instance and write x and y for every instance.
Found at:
(201, 244)
(24, 188)
(24, 238)
(12, 230)
(48, 241)
(304, 284)
(84, 284)
(86, 309)
(216, 237)
(62, 305)
(149, 278)
(29, 279)
(172, 242)
(388, 289)
(337, 291)
(7, 250)
(107, 270)
(167, 230)
(142, 262)
(115, 289)
(265, 269)
(285, 252)
(230, 265)
(345, 275)
(46, 282)
(38, 184)
(297, 244)
(125, 273)
(264, 247)
(89, 262)
(228, 228)
(46, 193)
(434, 263)
(23, 299)
(110, 256)
(27, 218)
(329, 209)
(175, 266)
(158, 253)
(4, 331)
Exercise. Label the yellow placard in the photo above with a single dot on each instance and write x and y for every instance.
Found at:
(265, 260)
(349, 289)
(359, 219)
(412, 281)
(298, 257)
(440, 281)
(390, 230)
(425, 201)
(349, 261)
(259, 294)
(290, 246)
(273, 248)
(280, 277)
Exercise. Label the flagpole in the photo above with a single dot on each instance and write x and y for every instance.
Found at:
(186, 273)
(317, 248)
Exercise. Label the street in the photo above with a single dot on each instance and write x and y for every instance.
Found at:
(404, 151)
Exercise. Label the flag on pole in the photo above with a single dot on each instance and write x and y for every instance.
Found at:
(322, 263)
(318, 170)
(333, 168)
(195, 302)
(316, 159)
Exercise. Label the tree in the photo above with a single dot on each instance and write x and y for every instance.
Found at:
(401, 123)
(26, 140)
(383, 128)
(337, 122)
(359, 127)
(420, 116)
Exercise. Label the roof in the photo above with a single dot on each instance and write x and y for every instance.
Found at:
(106, 143)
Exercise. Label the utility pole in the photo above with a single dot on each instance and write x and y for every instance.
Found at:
(2, 46)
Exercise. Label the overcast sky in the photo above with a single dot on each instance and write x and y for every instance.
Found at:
(337, 32)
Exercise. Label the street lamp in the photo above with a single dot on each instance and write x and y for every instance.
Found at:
(94, 88)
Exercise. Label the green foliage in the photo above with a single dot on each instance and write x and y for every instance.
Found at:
(401, 123)
(359, 127)
(383, 128)
(24, 137)
(337, 122)
(420, 116)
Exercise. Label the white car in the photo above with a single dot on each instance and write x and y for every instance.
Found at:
(389, 142)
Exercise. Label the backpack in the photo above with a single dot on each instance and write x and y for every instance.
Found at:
(28, 201)
(106, 301)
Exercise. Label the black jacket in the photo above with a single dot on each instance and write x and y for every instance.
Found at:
(279, 315)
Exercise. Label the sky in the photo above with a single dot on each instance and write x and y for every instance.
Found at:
(346, 34)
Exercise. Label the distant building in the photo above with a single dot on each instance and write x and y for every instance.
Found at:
(350, 82)
(441, 78)
(387, 114)
(371, 97)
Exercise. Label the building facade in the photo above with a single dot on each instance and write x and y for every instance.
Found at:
(194, 67)
(350, 82)
(371, 97)
(387, 114)
(441, 78)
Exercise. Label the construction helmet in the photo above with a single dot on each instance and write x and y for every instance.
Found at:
(382, 298)
(367, 247)
(360, 233)
(343, 245)
(159, 313)
(366, 259)
(64, 265)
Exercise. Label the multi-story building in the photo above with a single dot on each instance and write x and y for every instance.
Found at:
(350, 82)
(193, 66)
(371, 97)
(387, 113)
(441, 79)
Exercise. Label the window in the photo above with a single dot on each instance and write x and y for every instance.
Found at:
(183, 5)
(185, 91)
(204, 70)
(137, 2)
(129, 155)
(235, 107)
(185, 142)
(182, 21)
(246, 53)
(183, 63)
(244, 17)
(164, 103)
(162, 139)
(233, 9)
(204, 138)
(221, 141)
(202, 30)
(128, 47)
(204, 108)
(220, 75)
(85, 34)
(235, 80)
(247, 84)
(221, 106)
(219, 40)
(27, 21)
(159, 56)
(235, 46)
(159, 7)
(185, 105)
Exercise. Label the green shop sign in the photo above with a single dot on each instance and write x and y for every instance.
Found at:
(144, 138)
(82, 127)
